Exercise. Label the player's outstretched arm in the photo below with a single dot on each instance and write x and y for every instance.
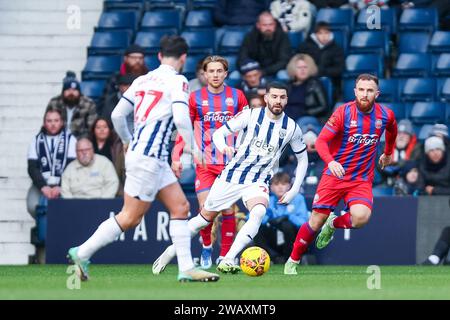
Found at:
(300, 172)
(119, 120)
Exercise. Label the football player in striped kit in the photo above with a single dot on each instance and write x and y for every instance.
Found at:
(158, 99)
(264, 134)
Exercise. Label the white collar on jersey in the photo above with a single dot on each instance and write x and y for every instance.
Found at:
(168, 67)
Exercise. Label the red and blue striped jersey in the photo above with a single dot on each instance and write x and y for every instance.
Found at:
(351, 138)
(209, 111)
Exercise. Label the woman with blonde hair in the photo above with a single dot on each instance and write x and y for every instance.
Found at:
(306, 93)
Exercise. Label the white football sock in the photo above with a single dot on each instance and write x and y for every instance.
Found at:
(107, 232)
(248, 231)
(181, 238)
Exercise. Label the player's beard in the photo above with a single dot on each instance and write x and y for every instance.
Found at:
(277, 113)
(365, 105)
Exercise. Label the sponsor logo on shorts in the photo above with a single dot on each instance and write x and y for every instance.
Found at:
(365, 139)
(218, 116)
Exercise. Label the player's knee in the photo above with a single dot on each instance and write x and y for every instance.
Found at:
(181, 210)
(127, 221)
(317, 220)
(359, 221)
(258, 212)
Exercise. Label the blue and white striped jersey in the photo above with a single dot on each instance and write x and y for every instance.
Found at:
(151, 97)
(263, 142)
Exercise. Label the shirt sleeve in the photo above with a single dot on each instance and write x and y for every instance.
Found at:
(391, 134)
(297, 144)
(32, 154)
(332, 128)
(242, 101)
(239, 121)
(180, 90)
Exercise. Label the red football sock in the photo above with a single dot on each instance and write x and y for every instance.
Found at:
(205, 233)
(228, 233)
(304, 237)
(343, 222)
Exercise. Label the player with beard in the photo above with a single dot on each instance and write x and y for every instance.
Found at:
(348, 146)
(265, 133)
(210, 107)
(79, 112)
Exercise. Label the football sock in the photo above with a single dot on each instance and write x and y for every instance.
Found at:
(181, 238)
(343, 222)
(107, 232)
(248, 231)
(205, 233)
(304, 237)
(228, 231)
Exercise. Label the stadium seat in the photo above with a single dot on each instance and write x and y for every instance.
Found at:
(110, 5)
(308, 120)
(380, 191)
(412, 65)
(367, 20)
(356, 64)
(151, 61)
(101, 67)
(231, 41)
(232, 63)
(440, 42)
(109, 42)
(348, 94)
(200, 41)
(295, 37)
(191, 64)
(388, 90)
(425, 131)
(413, 42)
(93, 88)
(149, 40)
(328, 86)
(165, 4)
(339, 19)
(168, 19)
(428, 112)
(341, 38)
(444, 92)
(418, 19)
(418, 89)
(203, 4)
(442, 66)
(398, 109)
(117, 20)
(196, 19)
(369, 42)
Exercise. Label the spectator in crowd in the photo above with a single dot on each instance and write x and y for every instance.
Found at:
(441, 130)
(134, 64)
(255, 100)
(200, 80)
(268, 44)
(286, 219)
(327, 54)
(319, 4)
(79, 111)
(90, 175)
(107, 143)
(238, 12)
(409, 182)
(441, 250)
(406, 148)
(357, 5)
(306, 93)
(293, 15)
(252, 78)
(435, 167)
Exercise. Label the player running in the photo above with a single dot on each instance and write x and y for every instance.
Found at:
(159, 99)
(348, 145)
(265, 134)
(210, 107)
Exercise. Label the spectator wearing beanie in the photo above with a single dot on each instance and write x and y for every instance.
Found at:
(435, 167)
(252, 78)
(441, 130)
(79, 112)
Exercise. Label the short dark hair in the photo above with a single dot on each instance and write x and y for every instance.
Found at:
(322, 25)
(276, 85)
(173, 46)
(281, 177)
(367, 76)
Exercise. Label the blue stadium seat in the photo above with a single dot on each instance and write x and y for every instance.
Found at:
(423, 19)
(168, 19)
(339, 19)
(232, 63)
(440, 42)
(149, 40)
(447, 114)
(203, 4)
(398, 108)
(198, 19)
(444, 92)
(166, 4)
(389, 91)
(308, 120)
(328, 86)
(356, 64)
(428, 112)
(100, 67)
(231, 41)
(425, 131)
(369, 42)
(109, 5)
(413, 42)
(109, 42)
(388, 20)
(117, 20)
(412, 65)
(442, 66)
(93, 88)
(380, 191)
(151, 61)
(295, 37)
(348, 94)
(418, 89)
(191, 64)
(200, 41)
(341, 38)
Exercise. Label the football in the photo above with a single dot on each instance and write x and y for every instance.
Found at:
(255, 261)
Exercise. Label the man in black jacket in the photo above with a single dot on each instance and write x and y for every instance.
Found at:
(268, 44)
(327, 54)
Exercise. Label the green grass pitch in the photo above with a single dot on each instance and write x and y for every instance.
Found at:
(312, 282)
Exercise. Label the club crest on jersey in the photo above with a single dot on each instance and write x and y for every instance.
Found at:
(353, 123)
(205, 103)
(185, 87)
(365, 139)
(282, 133)
(229, 101)
(378, 123)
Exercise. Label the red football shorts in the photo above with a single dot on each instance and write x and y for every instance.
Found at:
(205, 176)
(331, 190)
